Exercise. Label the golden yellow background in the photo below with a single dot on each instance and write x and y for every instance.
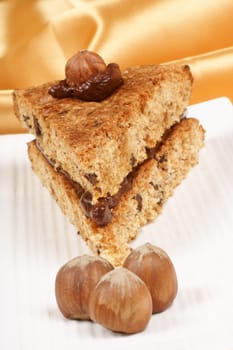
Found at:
(37, 37)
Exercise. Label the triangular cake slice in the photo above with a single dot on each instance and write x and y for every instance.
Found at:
(99, 143)
(153, 183)
(112, 163)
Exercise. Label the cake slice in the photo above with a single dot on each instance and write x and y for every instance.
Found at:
(111, 147)
(99, 143)
(153, 182)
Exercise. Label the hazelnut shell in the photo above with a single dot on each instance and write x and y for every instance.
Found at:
(74, 283)
(155, 268)
(121, 302)
(83, 65)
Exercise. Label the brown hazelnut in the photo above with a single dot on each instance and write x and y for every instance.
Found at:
(74, 283)
(83, 65)
(88, 78)
(121, 302)
(154, 267)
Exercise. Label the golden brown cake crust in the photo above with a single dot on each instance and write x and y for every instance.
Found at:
(152, 186)
(98, 143)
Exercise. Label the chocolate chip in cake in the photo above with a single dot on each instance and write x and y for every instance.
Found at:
(162, 162)
(86, 203)
(155, 186)
(161, 200)
(27, 121)
(101, 213)
(133, 160)
(162, 159)
(92, 178)
(37, 126)
(138, 198)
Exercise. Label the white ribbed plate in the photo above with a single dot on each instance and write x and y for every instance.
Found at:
(195, 228)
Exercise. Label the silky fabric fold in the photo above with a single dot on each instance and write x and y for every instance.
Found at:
(37, 38)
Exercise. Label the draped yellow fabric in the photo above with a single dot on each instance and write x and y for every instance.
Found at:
(37, 37)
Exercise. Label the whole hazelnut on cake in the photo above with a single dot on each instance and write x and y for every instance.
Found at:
(155, 268)
(88, 78)
(121, 302)
(74, 283)
(83, 65)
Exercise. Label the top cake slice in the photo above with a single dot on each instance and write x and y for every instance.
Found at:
(97, 144)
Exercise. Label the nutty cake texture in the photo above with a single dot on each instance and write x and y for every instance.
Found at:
(111, 165)
(98, 143)
(152, 186)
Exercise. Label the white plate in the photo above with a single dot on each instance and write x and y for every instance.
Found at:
(195, 228)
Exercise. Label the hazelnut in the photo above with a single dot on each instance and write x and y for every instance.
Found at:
(74, 282)
(121, 302)
(83, 65)
(155, 268)
(88, 78)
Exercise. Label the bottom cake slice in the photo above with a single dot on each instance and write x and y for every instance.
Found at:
(153, 183)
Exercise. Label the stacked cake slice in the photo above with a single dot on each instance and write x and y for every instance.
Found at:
(111, 165)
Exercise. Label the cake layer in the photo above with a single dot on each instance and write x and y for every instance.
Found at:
(98, 143)
(153, 184)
